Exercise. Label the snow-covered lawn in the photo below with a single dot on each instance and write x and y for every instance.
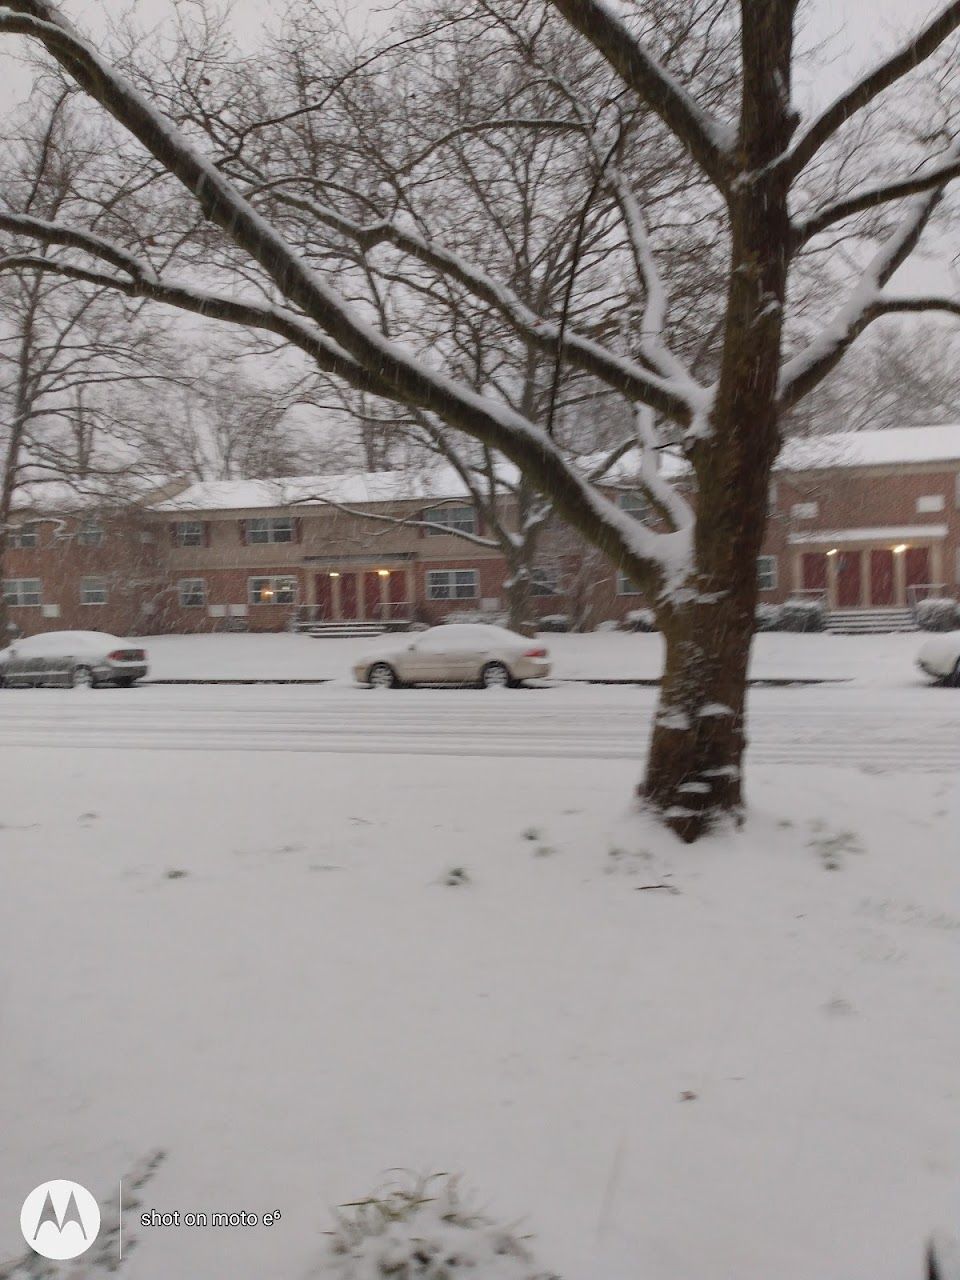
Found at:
(885, 659)
(748, 1072)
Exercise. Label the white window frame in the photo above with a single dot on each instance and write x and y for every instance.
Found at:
(635, 503)
(193, 538)
(928, 502)
(768, 573)
(455, 518)
(280, 584)
(626, 586)
(24, 537)
(187, 593)
(101, 591)
(545, 583)
(91, 534)
(261, 530)
(443, 584)
(14, 590)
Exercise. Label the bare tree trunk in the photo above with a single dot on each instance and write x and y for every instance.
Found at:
(518, 587)
(695, 764)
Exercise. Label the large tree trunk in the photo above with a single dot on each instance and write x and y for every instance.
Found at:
(695, 765)
(518, 588)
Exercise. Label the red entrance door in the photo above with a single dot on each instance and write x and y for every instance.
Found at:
(848, 579)
(917, 567)
(324, 594)
(398, 594)
(881, 576)
(371, 596)
(814, 566)
(348, 595)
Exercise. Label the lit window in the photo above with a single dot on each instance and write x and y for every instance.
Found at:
(93, 591)
(189, 533)
(273, 590)
(24, 536)
(767, 573)
(22, 591)
(192, 593)
(453, 584)
(454, 519)
(90, 534)
(625, 587)
(270, 529)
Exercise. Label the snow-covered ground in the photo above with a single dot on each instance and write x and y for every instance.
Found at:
(227, 931)
(885, 659)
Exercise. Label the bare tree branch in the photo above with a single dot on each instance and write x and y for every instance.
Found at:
(917, 50)
(806, 228)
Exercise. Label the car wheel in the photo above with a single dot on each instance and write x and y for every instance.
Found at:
(81, 678)
(495, 676)
(382, 676)
(124, 682)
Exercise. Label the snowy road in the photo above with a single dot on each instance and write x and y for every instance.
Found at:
(913, 729)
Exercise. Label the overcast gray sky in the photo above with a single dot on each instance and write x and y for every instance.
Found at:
(856, 32)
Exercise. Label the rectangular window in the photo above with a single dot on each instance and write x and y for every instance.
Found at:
(453, 584)
(805, 510)
(22, 591)
(189, 533)
(625, 587)
(24, 536)
(546, 582)
(93, 591)
(767, 573)
(930, 502)
(273, 590)
(270, 529)
(636, 504)
(192, 593)
(459, 519)
(90, 534)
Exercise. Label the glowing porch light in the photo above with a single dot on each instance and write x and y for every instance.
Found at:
(899, 549)
(383, 573)
(832, 551)
(334, 574)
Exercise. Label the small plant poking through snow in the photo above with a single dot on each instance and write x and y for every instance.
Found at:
(832, 846)
(456, 875)
(532, 833)
(423, 1231)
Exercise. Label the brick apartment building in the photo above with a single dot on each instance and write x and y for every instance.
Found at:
(865, 520)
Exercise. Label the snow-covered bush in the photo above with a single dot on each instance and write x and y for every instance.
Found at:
(494, 617)
(802, 615)
(768, 617)
(554, 622)
(640, 620)
(609, 625)
(423, 1231)
(938, 613)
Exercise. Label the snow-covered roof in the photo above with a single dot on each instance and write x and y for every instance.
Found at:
(894, 446)
(94, 493)
(355, 488)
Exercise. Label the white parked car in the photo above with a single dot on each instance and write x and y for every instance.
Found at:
(940, 657)
(73, 658)
(458, 653)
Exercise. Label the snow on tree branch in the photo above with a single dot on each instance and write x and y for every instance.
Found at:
(917, 50)
(709, 141)
(806, 228)
(675, 397)
(865, 304)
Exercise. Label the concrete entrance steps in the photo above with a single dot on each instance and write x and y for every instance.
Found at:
(869, 621)
(327, 630)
